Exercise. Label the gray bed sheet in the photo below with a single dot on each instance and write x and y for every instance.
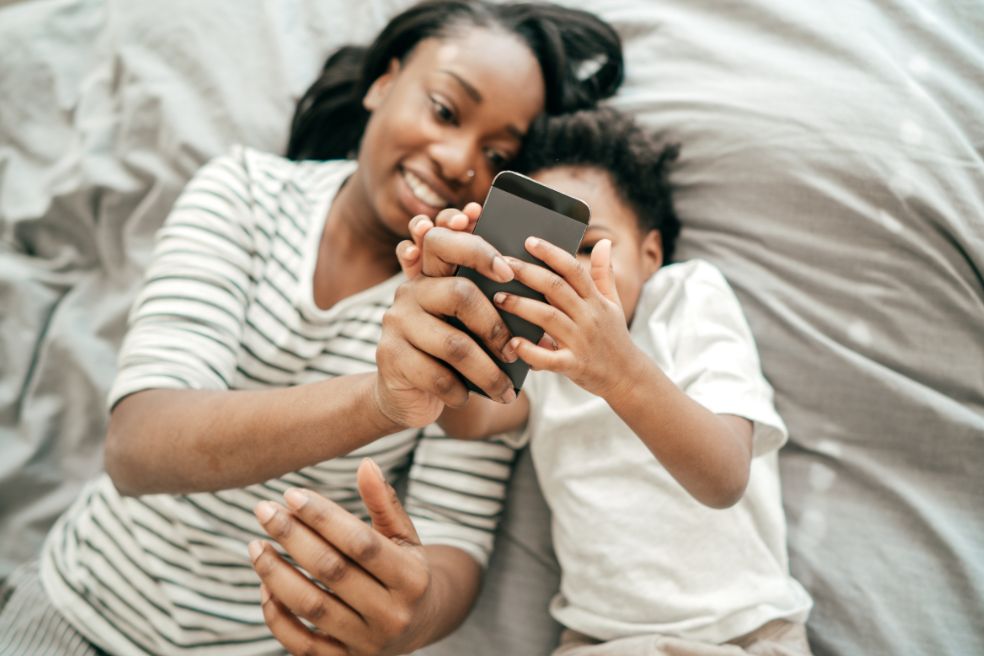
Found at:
(832, 166)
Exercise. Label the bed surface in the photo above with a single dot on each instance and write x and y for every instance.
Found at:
(832, 167)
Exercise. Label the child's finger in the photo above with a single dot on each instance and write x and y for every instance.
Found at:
(601, 270)
(420, 225)
(408, 255)
(556, 289)
(563, 263)
(541, 314)
(548, 342)
(542, 359)
(453, 219)
(472, 210)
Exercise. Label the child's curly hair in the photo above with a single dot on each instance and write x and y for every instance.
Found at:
(612, 141)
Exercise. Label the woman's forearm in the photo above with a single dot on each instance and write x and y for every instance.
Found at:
(181, 441)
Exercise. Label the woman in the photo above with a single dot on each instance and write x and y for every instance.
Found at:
(247, 369)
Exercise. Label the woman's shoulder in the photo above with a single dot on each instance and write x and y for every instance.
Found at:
(266, 167)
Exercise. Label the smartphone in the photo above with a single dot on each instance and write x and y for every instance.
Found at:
(518, 207)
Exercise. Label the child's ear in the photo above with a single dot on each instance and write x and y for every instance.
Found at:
(380, 87)
(652, 252)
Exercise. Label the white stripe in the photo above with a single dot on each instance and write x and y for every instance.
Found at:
(196, 545)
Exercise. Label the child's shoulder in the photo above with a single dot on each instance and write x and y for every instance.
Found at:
(686, 278)
(687, 289)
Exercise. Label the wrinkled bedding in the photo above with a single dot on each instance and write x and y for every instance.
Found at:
(832, 167)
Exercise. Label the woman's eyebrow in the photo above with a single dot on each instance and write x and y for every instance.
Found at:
(477, 97)
(466, 85)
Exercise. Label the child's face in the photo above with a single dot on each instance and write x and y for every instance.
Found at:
(635, 255)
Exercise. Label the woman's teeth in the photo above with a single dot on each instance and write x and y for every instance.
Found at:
(422, 191)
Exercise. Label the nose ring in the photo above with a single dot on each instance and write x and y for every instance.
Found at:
(470, 174)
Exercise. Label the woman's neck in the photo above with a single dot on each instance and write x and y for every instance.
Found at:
(356, 250)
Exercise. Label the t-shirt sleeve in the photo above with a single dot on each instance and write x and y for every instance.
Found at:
(716, 361)
(187, 320)
(456, 490)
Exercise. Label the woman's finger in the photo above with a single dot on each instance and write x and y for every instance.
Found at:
(383, 505)
(293, 635)
(351, 536)
(407, 367)
(565, 264)
(322, 560)
(302, 597)
(461, 298)
(541, 314)
(445, 250)
(448, 344)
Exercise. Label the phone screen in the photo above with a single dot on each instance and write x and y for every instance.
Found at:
(516, 208)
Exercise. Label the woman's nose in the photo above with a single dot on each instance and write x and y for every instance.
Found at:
(456, 160)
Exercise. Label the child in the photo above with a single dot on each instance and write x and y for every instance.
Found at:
(651, 426)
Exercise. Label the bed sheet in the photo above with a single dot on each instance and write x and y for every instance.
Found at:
(831, 167)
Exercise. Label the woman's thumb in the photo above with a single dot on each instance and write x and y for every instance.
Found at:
(385, 510)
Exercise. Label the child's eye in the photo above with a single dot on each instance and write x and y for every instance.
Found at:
(443, 113)
(585, 249)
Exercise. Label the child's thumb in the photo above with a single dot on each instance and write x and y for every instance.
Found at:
(601, 269)
(385, 510)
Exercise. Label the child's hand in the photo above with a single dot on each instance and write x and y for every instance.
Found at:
(415, 259)
(584, 317)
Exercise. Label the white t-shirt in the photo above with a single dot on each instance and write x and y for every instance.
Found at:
(638, 554)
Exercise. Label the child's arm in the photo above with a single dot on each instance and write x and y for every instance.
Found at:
(709, 454)
(480, 417)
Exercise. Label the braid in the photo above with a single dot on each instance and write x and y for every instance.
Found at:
(329, 119)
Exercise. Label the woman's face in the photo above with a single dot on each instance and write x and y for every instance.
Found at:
(445, 121)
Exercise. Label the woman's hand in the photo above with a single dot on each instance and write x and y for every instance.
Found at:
(589, 340)
(451, 245)
(380, 599)
(415, 381)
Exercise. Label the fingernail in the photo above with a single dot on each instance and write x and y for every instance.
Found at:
(265, 511)
(502, 269)
(410, 253)
(499, 298)
(509, 396)
(264, 593)
(508, 353)
(295, 498)
(255, 548)
(375, 468)
(532, 242)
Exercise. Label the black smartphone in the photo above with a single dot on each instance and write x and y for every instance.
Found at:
(518, 207)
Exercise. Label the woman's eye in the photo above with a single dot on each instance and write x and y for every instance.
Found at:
(585, 249)
(496, 159)
(443, 113)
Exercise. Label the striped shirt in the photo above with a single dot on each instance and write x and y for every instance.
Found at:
(228, 304)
